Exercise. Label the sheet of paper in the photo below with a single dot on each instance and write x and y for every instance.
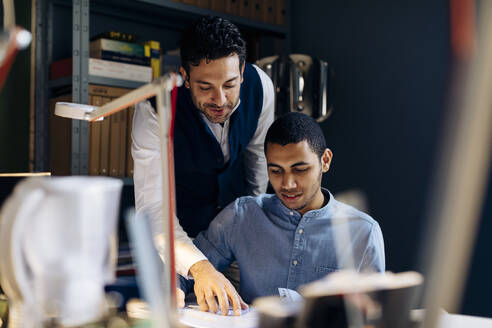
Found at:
(458, 321)
(289, 295)
(192, 316)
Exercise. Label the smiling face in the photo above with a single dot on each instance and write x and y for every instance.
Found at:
(214, 86)
(295, 172)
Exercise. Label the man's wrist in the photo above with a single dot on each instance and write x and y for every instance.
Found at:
(198, 267)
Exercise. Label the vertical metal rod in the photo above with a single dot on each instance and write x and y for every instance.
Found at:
(76, 81)
(84, 85)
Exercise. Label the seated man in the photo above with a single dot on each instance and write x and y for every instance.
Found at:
(298, 235)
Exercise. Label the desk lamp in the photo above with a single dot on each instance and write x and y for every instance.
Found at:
(165, 91)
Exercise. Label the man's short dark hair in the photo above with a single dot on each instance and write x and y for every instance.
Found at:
(211, 38)
(296, 127)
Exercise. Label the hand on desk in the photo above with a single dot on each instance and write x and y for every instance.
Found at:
(180, 298)
(209, 283)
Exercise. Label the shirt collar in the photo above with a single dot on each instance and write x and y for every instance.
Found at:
(322, 213)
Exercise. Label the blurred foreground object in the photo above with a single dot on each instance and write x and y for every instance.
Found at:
(378, 300)
(11, 41)
(58, 242)
(463, 163)
(164, 89)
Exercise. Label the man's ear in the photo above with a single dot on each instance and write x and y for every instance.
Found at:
(242, 70)
(186, 78)
(326, 160)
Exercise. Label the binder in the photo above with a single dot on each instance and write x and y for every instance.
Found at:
(280, 12)
(106, 91)
(94, 139)
(104, 153)
(218, 5)
(122, 143)
(245, 8)
(257, 9)
(203, 3)
(129, 158)
(190, 2)
(114, 144)
(232, 6)
(268, 11)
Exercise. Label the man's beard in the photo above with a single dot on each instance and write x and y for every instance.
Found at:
(313, 195)
(203, 109)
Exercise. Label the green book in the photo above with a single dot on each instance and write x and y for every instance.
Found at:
(117, 46)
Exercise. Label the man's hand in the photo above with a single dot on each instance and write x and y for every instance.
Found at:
(180, 298)
(209, 283)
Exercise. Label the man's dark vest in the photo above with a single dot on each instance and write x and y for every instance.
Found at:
(204, 182)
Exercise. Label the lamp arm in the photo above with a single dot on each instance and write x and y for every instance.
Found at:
(163, 84)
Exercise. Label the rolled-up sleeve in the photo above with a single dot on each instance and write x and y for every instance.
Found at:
(217, 241)
(373, 258)
(148, 187)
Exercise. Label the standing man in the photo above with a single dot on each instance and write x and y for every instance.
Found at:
(223, 112)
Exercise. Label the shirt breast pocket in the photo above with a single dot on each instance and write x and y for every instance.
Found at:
(322, 271)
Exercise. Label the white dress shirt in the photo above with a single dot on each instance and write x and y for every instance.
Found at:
(147, 170)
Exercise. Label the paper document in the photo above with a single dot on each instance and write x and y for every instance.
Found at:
(192, 316)
(289, 295)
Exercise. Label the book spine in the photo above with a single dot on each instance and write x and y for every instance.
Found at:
(218, 5)
(153, 51)
(129, 158)
(257, 10)
(122, 142)
(105, 128)
(280, 12)
(106, 91)
(114, 146)
(268, 11)
(121, 58)
(110, 69)
(203, 3)
(233, 7)
(117, 46)
(95, 140)
(116, 35)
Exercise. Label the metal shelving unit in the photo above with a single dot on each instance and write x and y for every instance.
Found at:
(165, 15)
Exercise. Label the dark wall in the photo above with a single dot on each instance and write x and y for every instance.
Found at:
(392, 63)
(14, 104)
(391, 66)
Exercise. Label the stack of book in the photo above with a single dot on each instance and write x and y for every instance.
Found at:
(111, 57)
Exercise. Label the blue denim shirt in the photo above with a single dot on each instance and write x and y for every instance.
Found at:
(277, 247)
